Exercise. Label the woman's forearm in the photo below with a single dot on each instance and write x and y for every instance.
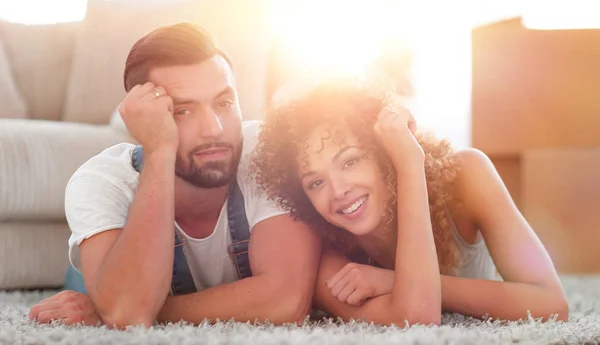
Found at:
(416, 292)
(501, 300)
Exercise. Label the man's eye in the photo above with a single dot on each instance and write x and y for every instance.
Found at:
(182, 112)
(225, 104)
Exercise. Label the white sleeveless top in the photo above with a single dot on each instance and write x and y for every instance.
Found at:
(475, 261)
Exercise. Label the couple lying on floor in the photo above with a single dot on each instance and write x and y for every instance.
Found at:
(336, 202)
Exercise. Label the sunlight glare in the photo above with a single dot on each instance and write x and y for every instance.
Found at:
(330, 36)
(562, 15)
(38, 12)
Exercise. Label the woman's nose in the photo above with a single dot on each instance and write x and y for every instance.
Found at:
(339, 187)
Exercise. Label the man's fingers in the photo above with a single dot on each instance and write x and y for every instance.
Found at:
(159, 90)
(34, 312)
(47, 316)
(79, 319)
(147, 87)
(134, 89)
(44, 306)
(69, 321)
(167, 102)
(144, 90)
(156, 92)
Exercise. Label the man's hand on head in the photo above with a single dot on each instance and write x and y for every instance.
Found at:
(68, 307)
(147, 112)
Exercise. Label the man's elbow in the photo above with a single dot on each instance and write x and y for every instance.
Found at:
(119, 313)
(121, 319)
(291, 308)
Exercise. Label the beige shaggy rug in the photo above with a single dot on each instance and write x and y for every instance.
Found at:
(582, 328)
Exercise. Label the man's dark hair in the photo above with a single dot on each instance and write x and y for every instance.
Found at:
(172, 45)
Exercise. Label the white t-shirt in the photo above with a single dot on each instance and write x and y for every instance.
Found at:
(99, 194)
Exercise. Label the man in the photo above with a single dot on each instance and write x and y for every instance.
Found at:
(182, 107)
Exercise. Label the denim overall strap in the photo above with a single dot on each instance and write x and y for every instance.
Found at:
(239, 230)
(182, 282)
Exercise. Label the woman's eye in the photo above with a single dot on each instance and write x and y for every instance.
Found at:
(315, 184)
(182, 112)
(351, 162)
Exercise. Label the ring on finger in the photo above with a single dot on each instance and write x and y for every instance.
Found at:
(156, 93)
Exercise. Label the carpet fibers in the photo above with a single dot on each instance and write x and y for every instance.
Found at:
(583, 328)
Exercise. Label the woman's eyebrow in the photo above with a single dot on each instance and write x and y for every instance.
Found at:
(340, 152)
(307, 174)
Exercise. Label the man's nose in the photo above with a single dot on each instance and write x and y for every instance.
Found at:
(211, 126)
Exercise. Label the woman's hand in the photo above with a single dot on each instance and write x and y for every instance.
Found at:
(355, 283)
(395, 128)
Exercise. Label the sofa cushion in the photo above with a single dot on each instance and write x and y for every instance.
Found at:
(33, 255)
(112, 27)
(11, 102)
(37, 158)
(40, 56)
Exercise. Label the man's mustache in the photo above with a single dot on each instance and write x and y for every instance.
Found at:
(214, 145)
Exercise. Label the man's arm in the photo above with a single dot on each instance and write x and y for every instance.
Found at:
(127, 272)
(284, 256)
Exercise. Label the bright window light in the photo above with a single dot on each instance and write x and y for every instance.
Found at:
(332, 37)
(563, 15)
(323, 37)
(42, 11)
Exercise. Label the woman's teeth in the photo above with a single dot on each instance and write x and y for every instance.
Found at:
(354, 206)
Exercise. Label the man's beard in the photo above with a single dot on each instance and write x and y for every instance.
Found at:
(210, 174)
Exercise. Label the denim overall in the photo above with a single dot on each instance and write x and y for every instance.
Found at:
(182, 282)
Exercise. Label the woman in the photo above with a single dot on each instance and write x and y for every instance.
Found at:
(433, 224)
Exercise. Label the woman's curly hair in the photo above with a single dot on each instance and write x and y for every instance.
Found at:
(348, 105)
